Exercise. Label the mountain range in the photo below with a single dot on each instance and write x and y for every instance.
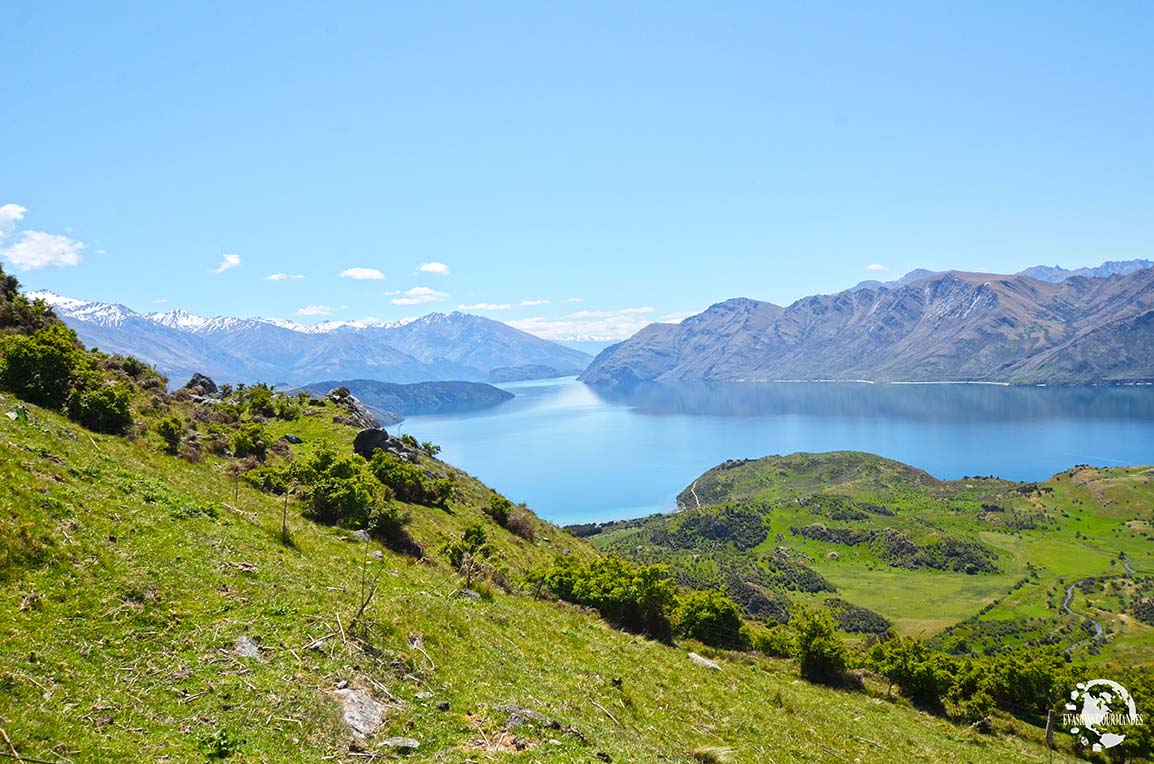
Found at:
(936, 327)
(438, 346)
(1051, 273)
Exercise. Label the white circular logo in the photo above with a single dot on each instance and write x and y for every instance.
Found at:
(1096, 708)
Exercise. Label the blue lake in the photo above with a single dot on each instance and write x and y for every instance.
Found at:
(576, 454)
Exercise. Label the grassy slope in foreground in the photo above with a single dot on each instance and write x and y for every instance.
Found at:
(131, 576)
(1046, 536)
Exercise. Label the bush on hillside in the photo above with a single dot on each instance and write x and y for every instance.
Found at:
(41, 367)
(819, 652)
(250, 440)
(708, 616)
(171, 431)
(408, 481)
(103, 407)
(637, 598)
(923, 675)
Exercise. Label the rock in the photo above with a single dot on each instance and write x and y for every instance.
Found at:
(369, 440)
(423, 695)
(358, 536)
(520, 716)
(358, 415)
(400, 743)
(443, 705)
(469, 594)
(202, 385)
(377, 554)
(363, 713)
(704, 662)
(290, 438)
(246, 648)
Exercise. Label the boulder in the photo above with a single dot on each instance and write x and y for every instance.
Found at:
(369, 440)
(362, 712)
(704, 662)
(200, 384)
(290, 438)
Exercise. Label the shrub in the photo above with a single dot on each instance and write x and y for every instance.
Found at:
(408, 481)
(339, 492)
(819, 652)
(637, 598)
(103, 408)
(41, 367)
(520, 525)
(498, 509)
(474, 542)
(708, 616)
(250, 440)
(924, 676)
(776, 642)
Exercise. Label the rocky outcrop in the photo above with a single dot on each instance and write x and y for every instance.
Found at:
(373, 439)
(201, 385)
(357, 415)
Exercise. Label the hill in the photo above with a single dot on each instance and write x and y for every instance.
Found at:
(978, 564)
(952, 326)
(438, 346)
(219, 577)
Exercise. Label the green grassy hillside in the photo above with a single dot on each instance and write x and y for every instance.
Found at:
(131, 576)
(981, 564)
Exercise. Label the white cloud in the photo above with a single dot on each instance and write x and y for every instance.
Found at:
(362, 274)
(438, 268)
(877, 267)
(318, 310)
(595, 324)
(36, 249)
(610, 313)
(228, 261)
(678, 317)
(574, 299)
(283, 276)
(529, 303)
(485, 306)
(10, 215)
(418, 296)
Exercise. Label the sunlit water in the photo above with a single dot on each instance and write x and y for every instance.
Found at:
(575, 454)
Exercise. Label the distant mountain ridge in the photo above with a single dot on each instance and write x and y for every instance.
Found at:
(1050, 273)
(391, 402)
(942, 327)
(438, 346)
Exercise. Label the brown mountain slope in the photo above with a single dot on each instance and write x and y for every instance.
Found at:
(951, 326)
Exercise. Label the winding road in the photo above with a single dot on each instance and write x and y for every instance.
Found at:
(1066, 607)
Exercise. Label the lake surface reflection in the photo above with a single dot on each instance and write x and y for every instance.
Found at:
(579, 454)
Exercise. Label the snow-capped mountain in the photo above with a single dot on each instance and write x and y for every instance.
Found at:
(438, 346)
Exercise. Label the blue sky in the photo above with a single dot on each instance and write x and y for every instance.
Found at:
(591, 166)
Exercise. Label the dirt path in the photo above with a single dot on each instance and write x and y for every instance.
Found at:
(693, 490)
(1066, 607)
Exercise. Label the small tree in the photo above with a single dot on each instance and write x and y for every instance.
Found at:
(42, 367)
(171, 431)
(820, 653)
(102, 407)
(709, 616)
